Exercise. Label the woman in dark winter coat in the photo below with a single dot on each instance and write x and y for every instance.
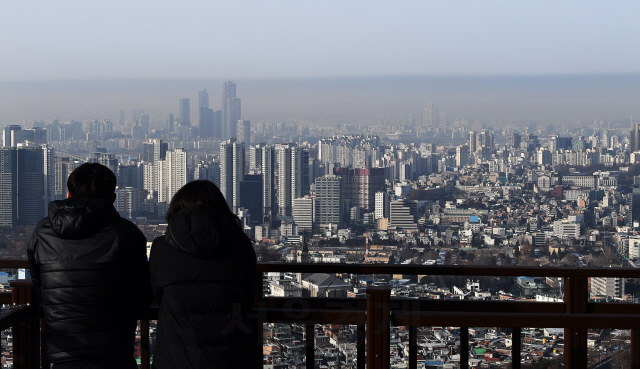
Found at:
(203, 273)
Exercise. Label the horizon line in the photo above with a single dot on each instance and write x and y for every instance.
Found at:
(332, 77)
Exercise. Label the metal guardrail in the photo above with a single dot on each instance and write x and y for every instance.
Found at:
(374, 315)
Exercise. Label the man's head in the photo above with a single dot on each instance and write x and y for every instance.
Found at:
(92, 180)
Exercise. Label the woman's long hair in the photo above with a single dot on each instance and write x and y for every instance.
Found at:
(199, 192)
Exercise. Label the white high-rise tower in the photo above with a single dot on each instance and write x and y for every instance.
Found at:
(173, 174)
(231, 171)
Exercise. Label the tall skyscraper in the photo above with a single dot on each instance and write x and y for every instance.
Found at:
(8, 186)
(35, 164)
(231, 110)
(206, 116)
(128, 201)
(231, 171)
(185, 112)
(430, 116)
(329, 202)
(255, 156)
(173, 174)
(203, 99)
(473, 140)
(291, 179)
(251, 197)
(26, 184)
(130, 175)
(634, 220)
(63, 167)
(382, 205)
(462, 155)
(206, 122)
(7, 134)
(244, 132)
(121, 118)
(145, 124)
(153, 152)
(171, 123)
(268, 163)
(513, 140)
(217, 124)
(360, 186)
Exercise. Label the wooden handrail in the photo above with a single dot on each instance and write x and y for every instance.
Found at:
(14, 316)
(575, 314)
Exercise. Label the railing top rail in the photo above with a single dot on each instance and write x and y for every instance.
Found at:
(13, 316)
(457, 270)
(14, 263)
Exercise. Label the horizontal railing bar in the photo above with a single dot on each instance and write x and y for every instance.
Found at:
(612, 308)
(457, 319)
(479, 306)
(14, 264)
(5, 297)
(459, 270)
(14, 316)
(453, 270)
(420, 305)
(311, 316)
(313, 303)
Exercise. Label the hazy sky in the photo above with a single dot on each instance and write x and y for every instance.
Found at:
(59, 40)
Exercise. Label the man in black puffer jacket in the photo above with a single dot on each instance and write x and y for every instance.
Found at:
(90, 269)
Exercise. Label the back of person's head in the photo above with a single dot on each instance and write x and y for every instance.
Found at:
(92, 180)
(198, 192)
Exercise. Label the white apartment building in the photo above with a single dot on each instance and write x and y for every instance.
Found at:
(173, 174)
(634, 247)
(303, 213)
(580, 181)
(607, 286)
(564, 229)
(381, 205)
(403, 214)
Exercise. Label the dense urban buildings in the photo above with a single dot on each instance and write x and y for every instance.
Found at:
(426, 190)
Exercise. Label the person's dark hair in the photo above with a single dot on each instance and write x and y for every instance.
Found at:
(198, 192)
(92, 180)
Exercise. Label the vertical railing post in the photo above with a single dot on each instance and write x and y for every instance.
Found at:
(635, 348)
(464, 347)
(516, 348)
(378, 329)
(44, 359)
(361, 349)
(26, 335)
(145, 355)
(310, 345)
(576, 295)
(413, 347)
(256, 320)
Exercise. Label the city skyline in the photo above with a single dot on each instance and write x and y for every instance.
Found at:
(363, 100)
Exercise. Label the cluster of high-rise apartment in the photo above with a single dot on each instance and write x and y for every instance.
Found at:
(282, 175)
(432, 183)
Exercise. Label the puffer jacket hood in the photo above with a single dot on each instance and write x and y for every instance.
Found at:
(79, 217)
(202, 232)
